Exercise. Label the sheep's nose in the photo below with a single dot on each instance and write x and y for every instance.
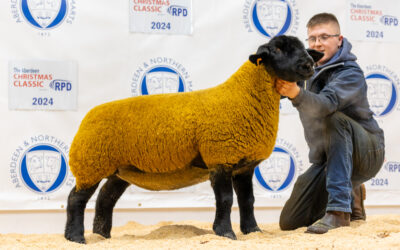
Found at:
(307, 66)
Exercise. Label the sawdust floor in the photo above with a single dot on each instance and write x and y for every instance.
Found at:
(378, 232)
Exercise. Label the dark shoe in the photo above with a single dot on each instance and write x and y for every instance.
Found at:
(331, 220)
(358, 211)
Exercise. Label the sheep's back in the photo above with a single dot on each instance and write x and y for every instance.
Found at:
(156, 134)
(163, 129)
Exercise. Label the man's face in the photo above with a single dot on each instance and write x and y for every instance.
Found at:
(319, 39)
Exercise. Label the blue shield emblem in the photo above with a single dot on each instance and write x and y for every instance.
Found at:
(44, 14)
(162, 80)
(43, 168)
(272, 17)
(382, 94)
(277, 172)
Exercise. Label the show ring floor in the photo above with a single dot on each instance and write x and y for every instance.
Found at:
(378, 232)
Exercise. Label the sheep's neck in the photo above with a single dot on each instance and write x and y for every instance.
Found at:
(257, 106)
(255, 82)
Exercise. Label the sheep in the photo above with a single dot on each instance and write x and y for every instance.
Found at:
(170, 141)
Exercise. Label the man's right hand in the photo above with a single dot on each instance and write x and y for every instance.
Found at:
(289, 89)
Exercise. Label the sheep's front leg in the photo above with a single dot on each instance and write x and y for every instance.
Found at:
(108, 196)
(243, 186)
(221, 182)
(77, 200)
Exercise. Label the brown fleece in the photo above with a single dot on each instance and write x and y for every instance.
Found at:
(163, 133)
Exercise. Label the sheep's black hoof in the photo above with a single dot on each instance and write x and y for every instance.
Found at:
(250, 230)
(231, 235)
(225, 233)
(76, 238)
(105, 235)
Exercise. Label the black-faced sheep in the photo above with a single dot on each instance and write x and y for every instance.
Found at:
(171, 141)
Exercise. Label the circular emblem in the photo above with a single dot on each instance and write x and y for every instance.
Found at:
(277, 172)
(43, 168)
(382, 93)
(161, 80)
(160, 75)
(272, 17)
(44, 14)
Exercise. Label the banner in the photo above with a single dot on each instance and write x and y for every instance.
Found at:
(43, 85)
(373, 20)
(61, 58)
(161, 16)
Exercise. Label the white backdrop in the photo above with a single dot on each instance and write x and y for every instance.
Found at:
(112, 63)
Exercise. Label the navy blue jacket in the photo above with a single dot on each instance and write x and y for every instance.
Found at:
(338, 85)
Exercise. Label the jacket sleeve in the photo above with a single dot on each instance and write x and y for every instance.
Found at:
(340, 91)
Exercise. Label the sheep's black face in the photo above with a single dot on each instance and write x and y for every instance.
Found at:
(287, 57)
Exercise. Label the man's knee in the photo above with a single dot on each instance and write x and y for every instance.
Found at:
(337, 119)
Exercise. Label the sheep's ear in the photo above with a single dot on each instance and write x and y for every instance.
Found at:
(262, 53)
(316, 55)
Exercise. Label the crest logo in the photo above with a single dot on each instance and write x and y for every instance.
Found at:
(44, 14)
(43, 168)
(277, 173)
(382, 90)
(160, 76)
(41, 164)
(271, 17)
(161, 80)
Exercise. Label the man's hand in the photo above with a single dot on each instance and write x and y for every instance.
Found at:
(289, 89)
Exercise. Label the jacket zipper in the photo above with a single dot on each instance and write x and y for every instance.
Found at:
(322, 70)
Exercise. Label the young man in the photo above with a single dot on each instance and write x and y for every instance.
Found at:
(346, 143)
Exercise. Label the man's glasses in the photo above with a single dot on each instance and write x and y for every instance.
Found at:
(321, 38)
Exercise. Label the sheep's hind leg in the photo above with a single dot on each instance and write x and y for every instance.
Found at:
(221, 182)
(74, 230)
(109, 194)
(243, 186)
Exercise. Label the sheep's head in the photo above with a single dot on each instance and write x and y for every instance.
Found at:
(287, 57)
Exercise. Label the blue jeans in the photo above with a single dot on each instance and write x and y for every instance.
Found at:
(353, 156)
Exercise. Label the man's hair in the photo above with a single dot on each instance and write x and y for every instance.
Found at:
(323, 18)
